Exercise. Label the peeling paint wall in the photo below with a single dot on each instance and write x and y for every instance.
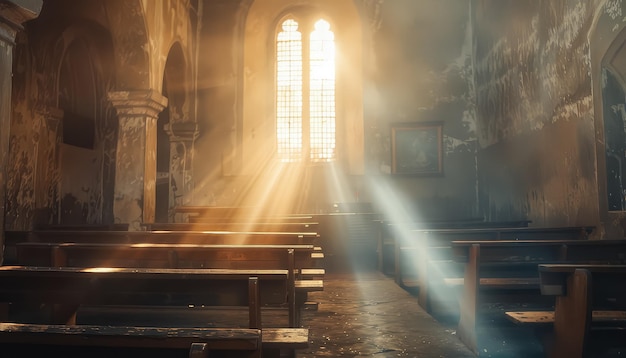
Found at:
(51, 182)
(534, 107)
(512, 81)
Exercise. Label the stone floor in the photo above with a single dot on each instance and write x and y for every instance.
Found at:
(366, 314)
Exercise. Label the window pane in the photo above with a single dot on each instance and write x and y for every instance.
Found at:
(289, 92)
(322, 92)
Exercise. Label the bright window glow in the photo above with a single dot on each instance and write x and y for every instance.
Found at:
(289, 92)
(322, 92)
(296, 118)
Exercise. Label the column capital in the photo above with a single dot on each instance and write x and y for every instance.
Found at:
(13, 13)
(139, 103)
(182, 131)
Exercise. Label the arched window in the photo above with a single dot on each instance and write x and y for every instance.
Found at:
(305, 91)
(614, 139)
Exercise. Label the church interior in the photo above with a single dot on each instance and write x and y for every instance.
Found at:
(442, 151)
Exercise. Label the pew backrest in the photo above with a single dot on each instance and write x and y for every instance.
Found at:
(235, 226)
(176, 237)
(72, 287)
(165, 255)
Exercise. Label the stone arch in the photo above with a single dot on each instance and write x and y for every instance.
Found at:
(129, 33)
(86, 170)
(173, 146)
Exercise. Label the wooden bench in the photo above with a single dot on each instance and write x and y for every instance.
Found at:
(388, 230)
(30, 340)
(179, 237)
(154, 237)
(63, 290)
(199, 214)
(589, 313)
(298, 259)
(85, 227)
(409, 246)
(235, 226)
(505, 272)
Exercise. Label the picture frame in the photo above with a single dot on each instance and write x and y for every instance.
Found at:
(417, 148)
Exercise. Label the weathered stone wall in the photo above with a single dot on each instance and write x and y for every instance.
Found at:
(50, 182)
(12, 15)
(534, 107)
(512, 82)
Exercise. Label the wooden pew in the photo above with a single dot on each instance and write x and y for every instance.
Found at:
(64, 290)
(85, 227)
(506, 272)
(157, 237)
(589, 313)
(407, 251)
(164, 237)
(389, 230)
(70, 287)
(31, 340)
(298, 259)
(178, 237)
(207, 214)
(165, 255)
(582, 290)
(236, 226)
(265, 219)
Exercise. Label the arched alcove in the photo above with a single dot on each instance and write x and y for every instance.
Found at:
(170, 158)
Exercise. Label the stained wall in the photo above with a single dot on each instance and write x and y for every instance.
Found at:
(535, 108)
(514, 84)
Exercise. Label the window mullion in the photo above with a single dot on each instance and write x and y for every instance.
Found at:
(306, 93)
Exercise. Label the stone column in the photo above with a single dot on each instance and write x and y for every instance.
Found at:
(135, 167)
(182, 137)
(12, 15)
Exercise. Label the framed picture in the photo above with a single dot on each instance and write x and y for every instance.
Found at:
(417, 148)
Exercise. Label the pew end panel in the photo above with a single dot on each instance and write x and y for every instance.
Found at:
(589, 314)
